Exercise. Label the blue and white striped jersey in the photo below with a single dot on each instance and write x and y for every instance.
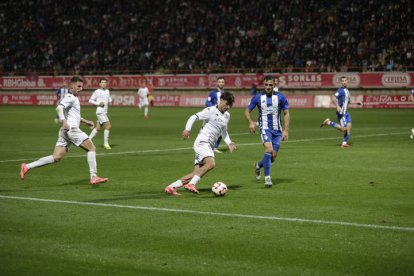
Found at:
(344, 99)
(61, 92)
(213, 98)
(270, 109)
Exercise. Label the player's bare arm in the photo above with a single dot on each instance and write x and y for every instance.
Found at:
(185, 134)
(252, 124)
(232, 147)
(286, 120)
(90, 124)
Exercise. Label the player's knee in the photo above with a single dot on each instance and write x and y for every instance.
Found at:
(57, 158)
(210, 164)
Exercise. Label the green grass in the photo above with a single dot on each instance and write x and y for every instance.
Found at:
(133, 228)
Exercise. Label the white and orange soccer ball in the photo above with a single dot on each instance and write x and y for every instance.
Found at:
(219, 189)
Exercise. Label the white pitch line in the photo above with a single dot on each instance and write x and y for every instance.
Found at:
(187, 148)
(300, 220)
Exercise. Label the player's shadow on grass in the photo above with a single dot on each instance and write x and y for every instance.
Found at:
(81, 182)
(276, 181)
(131, 196)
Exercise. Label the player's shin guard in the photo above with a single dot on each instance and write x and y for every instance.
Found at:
(41, 162)
(266, 163)
(106, 136)
(195, 179)
(92, 163)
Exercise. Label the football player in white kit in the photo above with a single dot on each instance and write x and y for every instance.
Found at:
(101, 98)
(216, 120)
(70, 133)
(143, 98)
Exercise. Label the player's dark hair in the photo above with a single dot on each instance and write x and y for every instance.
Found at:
(269, 78)
(103, 79)
(76, 79)
(227, 96)
(220, 78)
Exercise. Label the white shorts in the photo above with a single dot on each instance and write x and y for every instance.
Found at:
(73, 136)
(102, 118)
(143, 102)
(202, 150)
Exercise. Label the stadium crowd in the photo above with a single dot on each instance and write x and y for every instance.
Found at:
(205, 36)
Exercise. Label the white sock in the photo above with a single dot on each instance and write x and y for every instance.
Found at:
(93, 134)
(176, 184)
(106, 136)
(41, 162)
(146, 111)
(195, 180)
(92, 163)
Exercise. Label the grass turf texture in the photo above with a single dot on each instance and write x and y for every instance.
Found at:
(369, 184)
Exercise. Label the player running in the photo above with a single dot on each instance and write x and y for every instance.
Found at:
(216, 120)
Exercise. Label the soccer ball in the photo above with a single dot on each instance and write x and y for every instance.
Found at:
(219, 189)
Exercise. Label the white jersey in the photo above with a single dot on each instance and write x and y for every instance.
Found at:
(98, 96)
(215, 125)
(71, 110)
(143, 93)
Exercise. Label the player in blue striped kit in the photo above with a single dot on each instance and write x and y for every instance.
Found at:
(271, 106)
(342, 101)
(212, 100)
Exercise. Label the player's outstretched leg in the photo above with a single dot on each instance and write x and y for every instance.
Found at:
(172, 191)
(98, 180)
(23, 170)
(326, 122)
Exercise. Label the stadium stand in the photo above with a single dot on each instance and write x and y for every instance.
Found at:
(63, 37)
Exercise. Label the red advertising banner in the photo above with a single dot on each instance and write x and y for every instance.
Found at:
(233, 81)
(191, 100)
(388, 101)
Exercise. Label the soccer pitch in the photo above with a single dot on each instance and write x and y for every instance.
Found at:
(331, 211)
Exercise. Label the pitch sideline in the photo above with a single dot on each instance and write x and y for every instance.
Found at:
(274, 218)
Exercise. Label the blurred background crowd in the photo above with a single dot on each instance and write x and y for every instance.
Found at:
(168, 36)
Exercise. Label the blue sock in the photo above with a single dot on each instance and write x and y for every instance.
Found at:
(332, 124)
(217, 144)
(346, 137)
(267, 162)
(260, 163)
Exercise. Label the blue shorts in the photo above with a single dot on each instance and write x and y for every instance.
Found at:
(272, 136)
(344, 120)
